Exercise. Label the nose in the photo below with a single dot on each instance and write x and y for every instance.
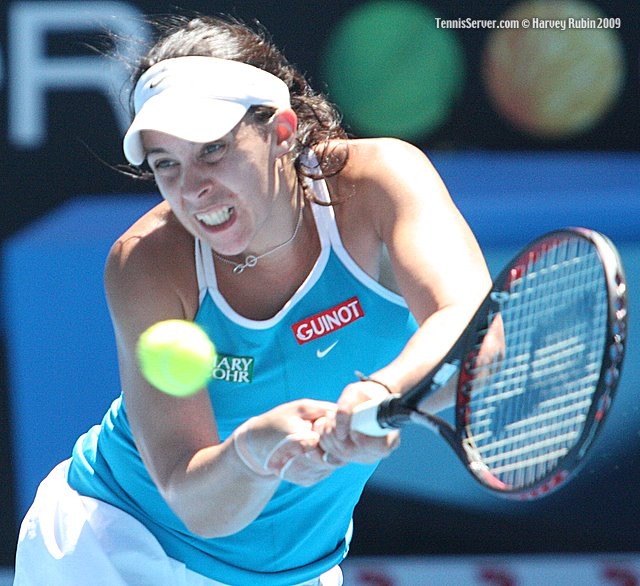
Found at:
(197, 182)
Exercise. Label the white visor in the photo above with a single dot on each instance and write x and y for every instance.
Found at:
(198, 99)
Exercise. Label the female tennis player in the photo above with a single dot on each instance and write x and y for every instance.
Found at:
(305, 255)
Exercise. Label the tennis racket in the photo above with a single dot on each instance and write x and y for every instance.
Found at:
(535, 371)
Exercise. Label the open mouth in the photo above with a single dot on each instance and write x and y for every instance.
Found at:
(217, 218)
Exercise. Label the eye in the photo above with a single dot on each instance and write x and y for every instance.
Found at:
(159, 165)
(213, 151)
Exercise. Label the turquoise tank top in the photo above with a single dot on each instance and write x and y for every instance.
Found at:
(339, 320)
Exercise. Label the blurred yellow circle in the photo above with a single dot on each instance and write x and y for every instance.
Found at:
(550, 82)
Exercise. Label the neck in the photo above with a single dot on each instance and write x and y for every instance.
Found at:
(251, 260)
(260, 292)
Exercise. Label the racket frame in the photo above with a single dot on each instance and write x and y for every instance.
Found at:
(397, 410)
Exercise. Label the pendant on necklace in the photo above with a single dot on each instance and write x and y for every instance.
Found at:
(249, 262)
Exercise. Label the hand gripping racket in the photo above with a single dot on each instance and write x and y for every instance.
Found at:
(536, 368)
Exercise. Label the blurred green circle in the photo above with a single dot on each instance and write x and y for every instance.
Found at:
(391, 71)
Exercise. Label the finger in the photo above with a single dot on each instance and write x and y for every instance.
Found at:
(291, 446)
(325, 426)
(342, 425)
(328, 440)
(371, 449)
(323, 460)
(310, 409)
(393, 440)
(340, 452)
(313, 458)
(307, 469)
(331, 460)
(320, 426)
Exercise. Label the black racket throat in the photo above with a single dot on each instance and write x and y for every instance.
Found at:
(401, 409)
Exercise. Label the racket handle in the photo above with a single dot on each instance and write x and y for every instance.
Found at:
(366, 419)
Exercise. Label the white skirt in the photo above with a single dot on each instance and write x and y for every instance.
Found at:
(70, 540)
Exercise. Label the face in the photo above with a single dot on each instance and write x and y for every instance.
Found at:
(226, 192)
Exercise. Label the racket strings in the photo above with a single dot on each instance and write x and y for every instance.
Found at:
(528, 405)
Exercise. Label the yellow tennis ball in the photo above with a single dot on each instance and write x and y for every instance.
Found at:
(176, 356)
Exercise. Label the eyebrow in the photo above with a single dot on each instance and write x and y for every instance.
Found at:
(154, 151)
(162, 150)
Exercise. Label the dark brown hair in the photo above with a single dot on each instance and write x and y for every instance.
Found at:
(226, 38)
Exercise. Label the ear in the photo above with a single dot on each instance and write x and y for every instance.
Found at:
(286, 124)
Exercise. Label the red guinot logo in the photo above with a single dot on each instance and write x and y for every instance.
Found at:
(327, 321)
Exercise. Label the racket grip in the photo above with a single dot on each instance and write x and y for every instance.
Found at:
(364, 418)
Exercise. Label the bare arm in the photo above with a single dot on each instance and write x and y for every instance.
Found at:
(437, 264)
(440, 269)
(202, 479)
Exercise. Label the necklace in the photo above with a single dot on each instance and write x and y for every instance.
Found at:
(252, 260)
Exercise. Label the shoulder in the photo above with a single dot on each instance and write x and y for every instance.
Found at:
(384, 177)
(402, 199)
(145, 245)
(386, 167)
(374, 158)
(154, 256)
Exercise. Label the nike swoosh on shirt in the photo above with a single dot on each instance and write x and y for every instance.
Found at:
(323, 353)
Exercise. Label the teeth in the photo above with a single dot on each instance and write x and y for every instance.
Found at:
(215, 218)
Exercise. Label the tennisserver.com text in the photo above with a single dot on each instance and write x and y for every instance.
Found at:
(530, 23)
